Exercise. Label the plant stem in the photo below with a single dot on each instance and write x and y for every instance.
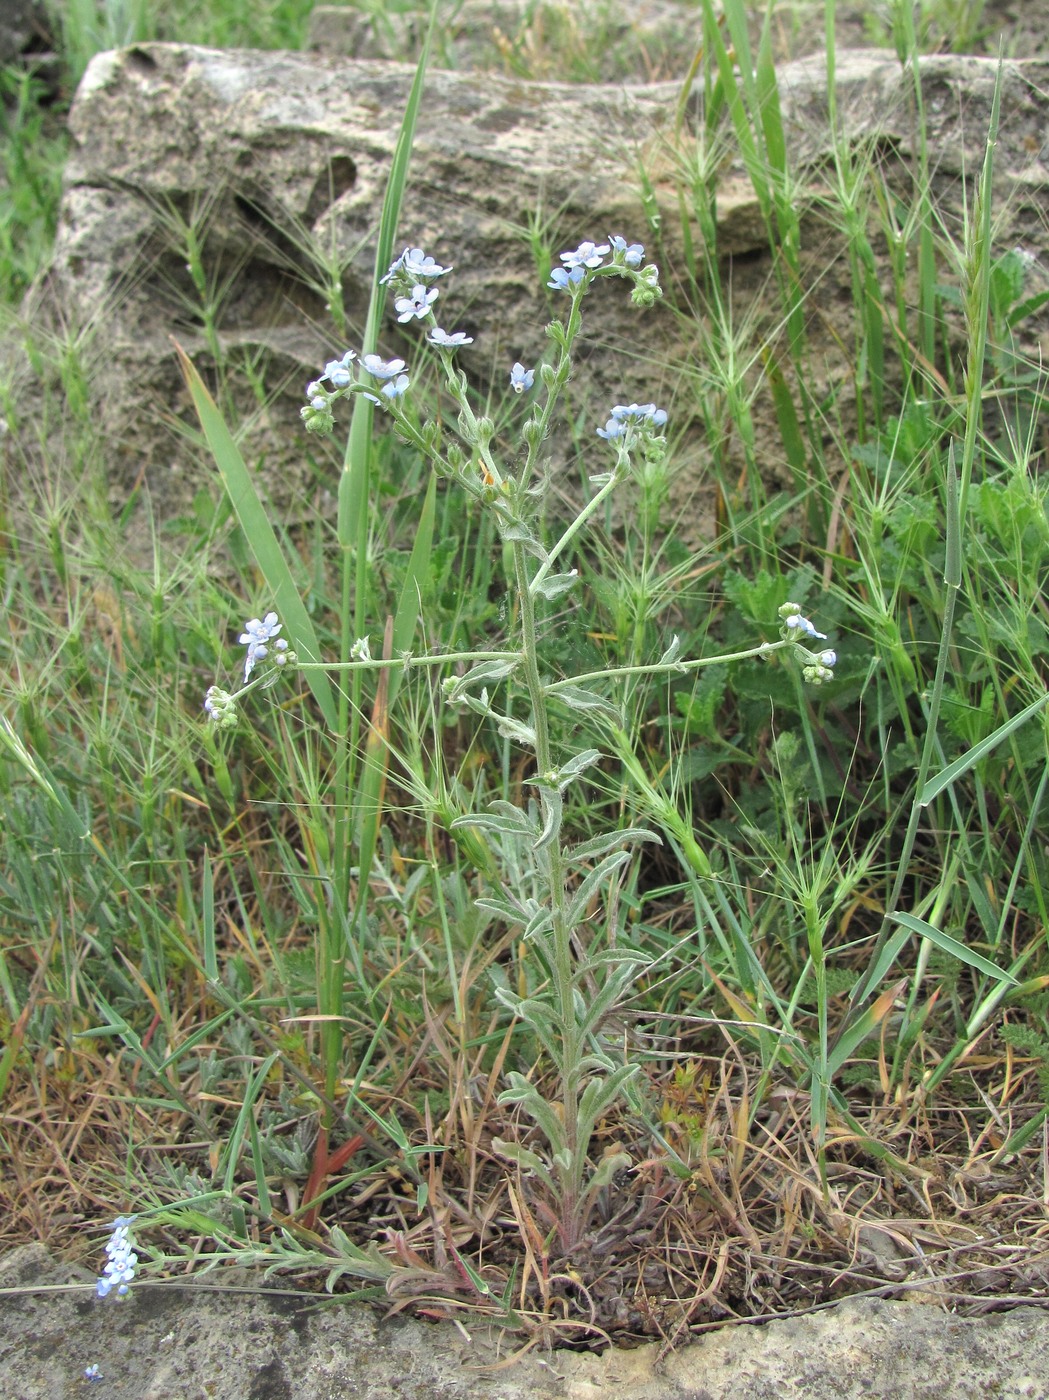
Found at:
(569, 1171)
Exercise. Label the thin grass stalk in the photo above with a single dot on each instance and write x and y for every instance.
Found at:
(352, 533)
(866, 291)
(952, 582)
(978, 256)
(907, 51)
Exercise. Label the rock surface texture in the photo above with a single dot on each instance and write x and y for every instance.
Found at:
(228, 1341)
(275, 159)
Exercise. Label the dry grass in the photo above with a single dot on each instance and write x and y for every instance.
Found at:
(921, 1203)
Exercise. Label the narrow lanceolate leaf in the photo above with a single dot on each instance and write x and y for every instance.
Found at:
(588, 888)
(528, 1161)
(599, 846)
(555, 584)
(862, 1028)
(503, 909)
(571, 770)
(553, 811)
(254, 521)
(673, 651)
(517, 824)
(537, 1108)
(516, 730)
(539, 924)
(576, 697)
(600, 1094)
(956, 949)
(483, 673)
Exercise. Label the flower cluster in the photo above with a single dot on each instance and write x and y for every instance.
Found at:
(220, 707)
(257, 637)
(261, 638)
(388, 376)
(410, 276)
(412, 268)
(816, 666)
(645, 418)
(121, 1259)
(623, 257)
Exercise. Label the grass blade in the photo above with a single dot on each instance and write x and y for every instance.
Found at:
(255, 523)
(967, 760)
(950, 945)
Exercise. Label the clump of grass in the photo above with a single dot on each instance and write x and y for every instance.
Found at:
(32, 149)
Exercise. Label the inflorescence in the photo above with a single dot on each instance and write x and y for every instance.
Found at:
(260, 636)
(410, 278)
(816, 666)
(386, 382)
(121, 1259)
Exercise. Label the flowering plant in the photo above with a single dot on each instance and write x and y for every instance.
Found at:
(565, 879)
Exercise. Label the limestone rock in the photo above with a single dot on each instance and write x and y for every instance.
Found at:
(276, 158)
(223, 1336)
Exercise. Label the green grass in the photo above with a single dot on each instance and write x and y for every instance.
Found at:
(847, 914)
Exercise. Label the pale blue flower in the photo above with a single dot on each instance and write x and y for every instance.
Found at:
(633, 254)
(92, 1373)
(382, 369)
(396, 387)
(613, 429)
(121, 1260)
(418, 304)
(449, 342)
(640, 413)
(794, 622)
(562, 280)
(586, 255)
(637, 415)
(416, 264)
(256, 637)
(338, 371)
(521, 378)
